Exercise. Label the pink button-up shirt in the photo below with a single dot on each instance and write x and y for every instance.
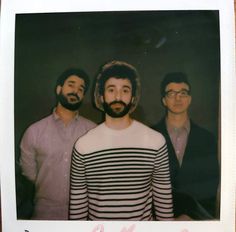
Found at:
(179, 138)
(46, 149)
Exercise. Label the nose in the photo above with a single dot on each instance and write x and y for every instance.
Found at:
(118, 95)
(177, 96)
(75, 91)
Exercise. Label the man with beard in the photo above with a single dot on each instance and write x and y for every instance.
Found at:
(46, 147)
(120, 169)
(192, 153)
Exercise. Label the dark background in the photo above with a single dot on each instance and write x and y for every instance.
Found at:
(155, 42)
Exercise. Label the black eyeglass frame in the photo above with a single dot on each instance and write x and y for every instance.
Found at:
(174, 93)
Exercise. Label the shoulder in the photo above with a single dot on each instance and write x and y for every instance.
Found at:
(202, 135)
(200, 131)
(95, 131)
(88, 123)
(90, 136)
(149, 132)
(36, 128)
(40, 123)
(160, 126)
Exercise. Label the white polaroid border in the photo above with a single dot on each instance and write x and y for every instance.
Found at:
(9, 8)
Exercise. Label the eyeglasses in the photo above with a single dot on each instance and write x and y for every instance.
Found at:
(182, 93)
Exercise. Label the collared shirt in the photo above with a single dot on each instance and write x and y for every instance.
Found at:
(179, 138)
(46, 149)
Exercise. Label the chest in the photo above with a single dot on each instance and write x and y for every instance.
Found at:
(55, 143)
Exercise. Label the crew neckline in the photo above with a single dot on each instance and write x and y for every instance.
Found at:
(121, 131)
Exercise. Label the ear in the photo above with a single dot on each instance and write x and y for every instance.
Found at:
(163, 101)
(102, 99)
(58, 89)
(190, 99)
(132, 100)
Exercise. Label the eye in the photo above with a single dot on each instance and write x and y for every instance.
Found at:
(81, 90)
(170, 94)
(110, 90)
(126, 90)
(184, 93)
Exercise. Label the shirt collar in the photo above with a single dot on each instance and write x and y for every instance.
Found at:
(186, 126)
(57, 117)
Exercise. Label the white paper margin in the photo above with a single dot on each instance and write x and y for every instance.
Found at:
(228, 116)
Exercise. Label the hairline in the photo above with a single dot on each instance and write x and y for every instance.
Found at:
(182, 82)
(117, 77)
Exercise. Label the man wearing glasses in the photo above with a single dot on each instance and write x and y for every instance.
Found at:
(192, 153)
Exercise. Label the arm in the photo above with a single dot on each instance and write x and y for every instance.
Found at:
(162, 193)
(78, 209)
(28, 155)
(212, 174)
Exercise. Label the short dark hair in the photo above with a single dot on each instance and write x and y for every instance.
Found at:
(74, 71)
(119, 70)
(174, 77)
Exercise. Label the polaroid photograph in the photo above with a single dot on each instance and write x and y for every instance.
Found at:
(117, 116)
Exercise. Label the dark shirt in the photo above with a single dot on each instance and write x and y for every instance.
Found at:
(195, 182)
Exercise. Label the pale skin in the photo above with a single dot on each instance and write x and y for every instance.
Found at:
(177, 115)
(119, 90)
(73, 84)
(177, 107)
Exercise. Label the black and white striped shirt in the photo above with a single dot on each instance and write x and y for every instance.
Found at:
(120, 175)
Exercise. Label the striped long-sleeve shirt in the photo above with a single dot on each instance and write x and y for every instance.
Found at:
(120, 175)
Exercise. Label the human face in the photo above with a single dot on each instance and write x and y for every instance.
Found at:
(70, 95)
(178, 101)
(117, 97)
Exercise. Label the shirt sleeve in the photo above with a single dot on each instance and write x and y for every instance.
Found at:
(28, 155)
(78, 209)
(211, 174)
(162, 191)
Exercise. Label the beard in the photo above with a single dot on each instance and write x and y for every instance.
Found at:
(68, 105)
(116, 112)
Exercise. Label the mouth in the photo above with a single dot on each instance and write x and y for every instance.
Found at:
(178, 105)
(73, 99)
(118, 107)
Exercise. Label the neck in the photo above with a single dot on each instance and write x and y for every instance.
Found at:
(65, 115)
(177, 120)
(118, 123)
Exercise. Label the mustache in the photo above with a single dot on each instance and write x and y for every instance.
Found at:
(118, 102)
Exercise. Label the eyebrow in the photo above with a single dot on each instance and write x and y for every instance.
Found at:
(73, 82)
(178, 90)
(124, 86)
